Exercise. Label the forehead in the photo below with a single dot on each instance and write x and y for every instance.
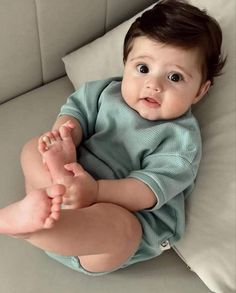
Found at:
(146, 48)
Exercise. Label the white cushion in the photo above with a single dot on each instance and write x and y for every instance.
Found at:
(209, 244)
(100, 59)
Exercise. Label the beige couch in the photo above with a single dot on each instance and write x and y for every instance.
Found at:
(35, 35)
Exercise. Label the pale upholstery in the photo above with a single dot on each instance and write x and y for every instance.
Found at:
(35, 35)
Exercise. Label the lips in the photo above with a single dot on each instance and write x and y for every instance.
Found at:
(151, 102)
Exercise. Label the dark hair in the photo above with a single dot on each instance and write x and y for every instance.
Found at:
(178, 23)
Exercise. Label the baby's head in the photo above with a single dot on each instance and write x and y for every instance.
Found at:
(180, 46)
(180, 24)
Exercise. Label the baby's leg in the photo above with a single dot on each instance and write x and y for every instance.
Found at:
(35, 173)
(103, 236)
(58, 149)
(39, 210)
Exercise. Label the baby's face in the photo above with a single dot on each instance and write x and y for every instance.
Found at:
(162, 81)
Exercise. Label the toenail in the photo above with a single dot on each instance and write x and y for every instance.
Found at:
(49, 191)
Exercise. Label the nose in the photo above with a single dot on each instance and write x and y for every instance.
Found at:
(154, 84)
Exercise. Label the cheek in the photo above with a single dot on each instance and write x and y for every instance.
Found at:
(124, 88)
(125, 92)
(127, 88)
(176, 107)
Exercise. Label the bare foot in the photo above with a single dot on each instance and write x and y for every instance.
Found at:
(40, 209)
(58, 149)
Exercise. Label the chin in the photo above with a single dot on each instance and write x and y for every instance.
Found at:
(147, 116)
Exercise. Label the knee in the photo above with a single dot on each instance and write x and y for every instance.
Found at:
(127, 224)
(29, 151)
(30, 146)
(124, 242)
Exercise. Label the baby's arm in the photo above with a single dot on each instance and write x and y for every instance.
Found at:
(130, 193)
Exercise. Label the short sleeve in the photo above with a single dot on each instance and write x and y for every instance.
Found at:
(82, 107)
(166, 175)
(84, 104)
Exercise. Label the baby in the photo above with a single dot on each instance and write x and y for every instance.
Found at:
(106, 187)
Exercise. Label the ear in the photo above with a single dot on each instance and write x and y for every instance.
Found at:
(202, 91)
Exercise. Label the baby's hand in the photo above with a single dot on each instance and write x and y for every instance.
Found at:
(69, 125)
(81, 188)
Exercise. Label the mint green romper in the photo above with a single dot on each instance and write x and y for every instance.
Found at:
(119, 143)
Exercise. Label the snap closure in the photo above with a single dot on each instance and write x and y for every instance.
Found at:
(165, 245)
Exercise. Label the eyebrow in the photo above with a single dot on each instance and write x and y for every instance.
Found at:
(141, 57)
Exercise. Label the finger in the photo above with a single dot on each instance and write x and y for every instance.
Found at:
(75, 168)
(65, 132)
(69, 124)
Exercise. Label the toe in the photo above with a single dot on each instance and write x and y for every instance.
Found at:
(42, 148)
(47, 140)
(53, 138)
(56, 135)
(55, 216)
(57, 200)
(49, 223)
(55, 190)
(56, 204)
(56, 208)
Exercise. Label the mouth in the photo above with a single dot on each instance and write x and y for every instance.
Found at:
(151, 102)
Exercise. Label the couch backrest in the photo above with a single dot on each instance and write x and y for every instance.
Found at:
(36, 34)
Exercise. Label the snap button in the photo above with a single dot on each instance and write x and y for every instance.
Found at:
(165, 245)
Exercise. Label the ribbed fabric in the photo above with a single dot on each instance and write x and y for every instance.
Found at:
(119, 143)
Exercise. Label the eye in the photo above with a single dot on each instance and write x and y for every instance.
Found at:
(175, 77)
(142, 68)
